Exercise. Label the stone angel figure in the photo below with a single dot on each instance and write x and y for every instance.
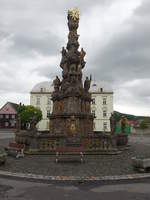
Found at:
(57, 84)
(87, 83)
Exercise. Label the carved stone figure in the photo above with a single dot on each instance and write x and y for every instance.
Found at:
(65, 71)
(57, 84)
(64, 58)
(82, 53)
(33, 123)
(63, 52)
(123, 124)
(87, 83)
(112, 123)
(73, 68)
(18, 123)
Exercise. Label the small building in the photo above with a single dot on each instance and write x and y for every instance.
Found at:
(101, 105)
(8, 115)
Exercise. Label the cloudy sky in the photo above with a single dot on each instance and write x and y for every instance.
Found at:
(114, 33)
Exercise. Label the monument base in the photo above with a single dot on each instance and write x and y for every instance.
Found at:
(122, 139)
(45, 143)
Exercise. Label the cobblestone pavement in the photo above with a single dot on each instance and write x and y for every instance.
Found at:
(95, 165)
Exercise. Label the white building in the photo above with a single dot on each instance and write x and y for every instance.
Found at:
(101, 105)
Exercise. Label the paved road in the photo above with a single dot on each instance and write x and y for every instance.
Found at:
(25, 190)
(6, 137)
(6, 134)
(140, 139)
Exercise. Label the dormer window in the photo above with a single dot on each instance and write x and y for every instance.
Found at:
(41, 89)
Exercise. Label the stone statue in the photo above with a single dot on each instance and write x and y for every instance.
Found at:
(63, 52)
(87, 83)
(18, 123)
(123, 124)
(64, 57)
(57, 84)
(65, 84)
(82, 54)
(33, 123)
(112, 123)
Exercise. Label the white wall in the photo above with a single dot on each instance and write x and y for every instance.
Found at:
(44, 106)
(98, 107)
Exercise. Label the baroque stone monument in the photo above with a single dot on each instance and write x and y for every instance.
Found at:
(71, 120)
(71, 114)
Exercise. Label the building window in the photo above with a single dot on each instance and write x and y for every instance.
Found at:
(105, 126)
(1, 116)
(7, 116)
(6, 124)
(13, 116)
(93, 101)
(38, 101)
(12, 124)
(104, 113)
(104, 101)
(93, 112)
(48, 100)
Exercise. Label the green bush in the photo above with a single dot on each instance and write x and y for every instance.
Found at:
(26, 113)
(143, 124)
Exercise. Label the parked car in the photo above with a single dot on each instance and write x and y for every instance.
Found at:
(3, 156)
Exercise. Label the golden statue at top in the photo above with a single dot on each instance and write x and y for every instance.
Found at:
(74, 13)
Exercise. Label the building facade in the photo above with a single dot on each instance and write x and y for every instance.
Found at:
(8, 115)
(101, 105)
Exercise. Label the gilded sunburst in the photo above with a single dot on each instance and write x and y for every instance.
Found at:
(74, 13)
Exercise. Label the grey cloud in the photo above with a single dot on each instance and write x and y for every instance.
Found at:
(41, 26)
(144, 9)
(49, 71)
(126, 56)
(45, 44)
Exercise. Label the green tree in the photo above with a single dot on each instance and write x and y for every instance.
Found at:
(144, 124)
(26, 113)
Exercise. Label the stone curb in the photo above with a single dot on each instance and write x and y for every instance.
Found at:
(74, 178)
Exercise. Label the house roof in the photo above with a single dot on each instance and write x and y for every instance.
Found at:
(14, 105)
(9, 108)
(47, 87)
(100, 87)
(43, 87)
